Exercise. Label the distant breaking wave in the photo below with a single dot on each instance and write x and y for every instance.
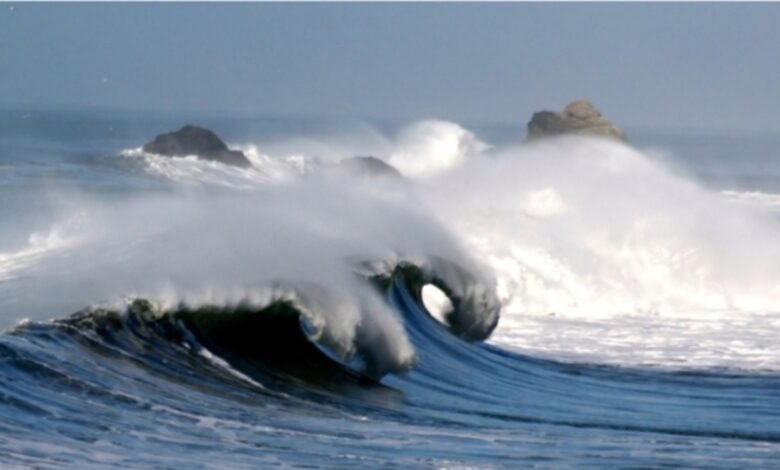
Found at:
(770, 200)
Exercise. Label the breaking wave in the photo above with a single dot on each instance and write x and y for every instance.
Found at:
(483, 308)
(597, 251)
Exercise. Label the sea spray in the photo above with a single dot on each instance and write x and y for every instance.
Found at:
(226, 248)
(601, 251)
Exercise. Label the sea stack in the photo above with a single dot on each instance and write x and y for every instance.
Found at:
(578, 117)
(192, 140)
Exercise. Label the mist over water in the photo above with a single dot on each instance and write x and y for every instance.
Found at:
(600, 252)
(603, 253)
(217, 247)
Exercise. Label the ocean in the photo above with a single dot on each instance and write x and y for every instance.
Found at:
(563, 303)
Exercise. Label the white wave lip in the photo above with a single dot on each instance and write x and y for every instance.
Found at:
(228, 247)
(430, 147)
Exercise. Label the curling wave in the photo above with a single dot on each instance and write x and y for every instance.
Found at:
(600, 252)
(493, 304)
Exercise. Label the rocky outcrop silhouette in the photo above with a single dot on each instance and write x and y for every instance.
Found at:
(369, 167)
(192, 140)
(579, 117)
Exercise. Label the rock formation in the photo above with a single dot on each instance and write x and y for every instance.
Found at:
(370, 167)
(191, 140)
(579, 117)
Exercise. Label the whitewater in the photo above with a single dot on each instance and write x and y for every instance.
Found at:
(500, 298)
(599, 252)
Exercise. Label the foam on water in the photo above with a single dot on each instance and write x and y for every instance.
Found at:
(240, 309)
(191, 170)
(301, 241)
(429, 147)
(600, 251)
(603, 254)
(39, 246)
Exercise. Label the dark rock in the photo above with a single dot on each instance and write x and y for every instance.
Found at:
(579, 117)
(192, 140)
(370, 167)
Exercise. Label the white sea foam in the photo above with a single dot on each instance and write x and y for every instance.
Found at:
(430, 147)
(420, 149)
(227, 247)
(191, 170)
(15, 263)
(600, 252)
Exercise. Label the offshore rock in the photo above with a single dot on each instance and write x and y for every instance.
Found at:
(192, 140)
(579, 117)
(363, 167)
(369, 167)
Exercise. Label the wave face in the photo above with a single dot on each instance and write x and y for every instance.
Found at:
(566, 303)
(237, 388)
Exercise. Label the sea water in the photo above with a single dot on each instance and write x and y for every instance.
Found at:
(610, 305)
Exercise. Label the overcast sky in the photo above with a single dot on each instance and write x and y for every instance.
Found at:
(655, 65)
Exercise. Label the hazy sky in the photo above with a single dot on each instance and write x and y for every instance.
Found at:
(658, 65)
